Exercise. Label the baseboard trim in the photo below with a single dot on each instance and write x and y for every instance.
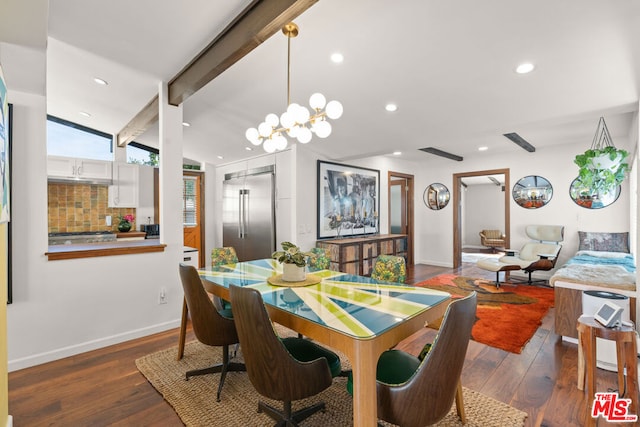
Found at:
(436, 263)
(61, 353)
(10, 421)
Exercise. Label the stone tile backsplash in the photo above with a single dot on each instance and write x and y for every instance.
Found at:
(82, 207)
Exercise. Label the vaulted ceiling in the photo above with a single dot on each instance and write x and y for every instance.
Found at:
(448, 65)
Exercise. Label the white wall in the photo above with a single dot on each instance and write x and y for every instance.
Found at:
(434, 229)
(483, 210)
(67, 307)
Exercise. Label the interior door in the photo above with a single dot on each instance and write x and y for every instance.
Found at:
(192, 205)
(398, 206)
(401, 208)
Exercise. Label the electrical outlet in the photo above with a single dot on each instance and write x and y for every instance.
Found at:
(162, 296)
(108, 218)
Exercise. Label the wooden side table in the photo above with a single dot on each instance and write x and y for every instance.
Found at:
(626, 354)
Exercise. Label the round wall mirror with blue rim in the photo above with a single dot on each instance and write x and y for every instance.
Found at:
(436, 196)
(584, 198)
(532, 192)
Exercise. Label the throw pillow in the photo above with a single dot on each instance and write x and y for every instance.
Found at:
(604, 242)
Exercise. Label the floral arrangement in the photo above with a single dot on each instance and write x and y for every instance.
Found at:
(126, 219)
(291, 254)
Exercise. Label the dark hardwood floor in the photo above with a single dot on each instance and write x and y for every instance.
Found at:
(104, 388)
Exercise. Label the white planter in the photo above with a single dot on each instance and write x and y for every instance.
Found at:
(603, 162)
(293, 273)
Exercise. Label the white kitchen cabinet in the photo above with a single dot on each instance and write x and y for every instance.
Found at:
(73, 168)
(124, 191)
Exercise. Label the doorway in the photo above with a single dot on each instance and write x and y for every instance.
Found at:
(193, 212)
(458, 214)
(401, 208)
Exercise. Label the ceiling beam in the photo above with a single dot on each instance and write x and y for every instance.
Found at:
(259, 21)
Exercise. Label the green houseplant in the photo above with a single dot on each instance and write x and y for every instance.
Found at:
(293, 262)
(602, 169)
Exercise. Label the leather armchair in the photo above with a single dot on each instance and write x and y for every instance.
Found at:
(492, 239)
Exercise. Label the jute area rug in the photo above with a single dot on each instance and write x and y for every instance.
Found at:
(195, 400)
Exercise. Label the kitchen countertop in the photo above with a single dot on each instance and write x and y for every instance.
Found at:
(90, 250)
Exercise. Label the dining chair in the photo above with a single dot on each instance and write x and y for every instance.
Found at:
(321, 259)
(390, 268)
(284, 369)
(211, 326)
(414, 392)
(219, 257)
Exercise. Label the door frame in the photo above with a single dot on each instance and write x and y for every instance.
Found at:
(200, 214)
(410, 204)
(457, 216)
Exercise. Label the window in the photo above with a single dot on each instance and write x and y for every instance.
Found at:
(142, 155)
(189, 201)
(69, 139)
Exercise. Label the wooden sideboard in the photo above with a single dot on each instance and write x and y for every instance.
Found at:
(356, 255)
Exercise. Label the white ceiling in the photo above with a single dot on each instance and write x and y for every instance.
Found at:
(449, 65)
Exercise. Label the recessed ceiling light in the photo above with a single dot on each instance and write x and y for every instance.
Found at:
(483, 148)
(248, 148)
(100, 81)
(186, 124)
(525, 68)
(391, 107)
(84, 113)
(337, 58)
(397, 153)
(220, 157)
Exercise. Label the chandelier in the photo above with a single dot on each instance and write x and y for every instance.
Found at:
(297, 122)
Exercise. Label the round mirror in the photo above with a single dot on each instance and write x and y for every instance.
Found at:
(532, 192)
(436, 196)
(587, 199)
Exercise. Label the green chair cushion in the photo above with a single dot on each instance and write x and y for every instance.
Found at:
(226, 312)
(306, 351)
(394, 367)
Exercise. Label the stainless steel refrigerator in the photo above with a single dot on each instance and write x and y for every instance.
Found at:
(248, 213)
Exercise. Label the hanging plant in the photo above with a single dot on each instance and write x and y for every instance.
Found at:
(602, 167)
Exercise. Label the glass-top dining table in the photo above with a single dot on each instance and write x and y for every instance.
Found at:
(357, 315)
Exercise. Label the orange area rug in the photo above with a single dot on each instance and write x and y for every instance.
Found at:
(506, 318)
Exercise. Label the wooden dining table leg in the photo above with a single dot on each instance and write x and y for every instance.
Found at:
(183, 329)
(460, 404)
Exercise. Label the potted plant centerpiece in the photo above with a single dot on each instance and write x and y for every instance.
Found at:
(293, 262)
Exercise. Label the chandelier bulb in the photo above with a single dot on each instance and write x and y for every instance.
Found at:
(317, 101)
(264, 129)
(287, 120)
(334, 110)
(293, 131)
(323, 129)
(252, 135)
(304, 135)
(302, 115)
(272, 120)
(269, 145)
